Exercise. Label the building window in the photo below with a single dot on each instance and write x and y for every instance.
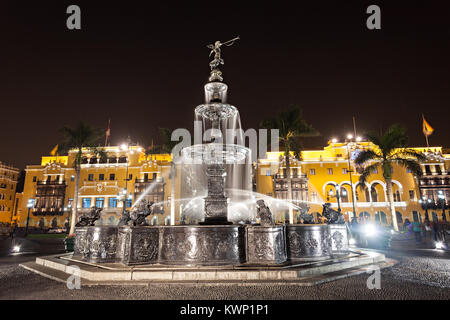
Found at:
(128, 203)
(72, 178)
(268, 173)
(34, 179)
(101, 177)
(330, 171)
(112, 203)
(112, 176)
(375, 170)
(86, 202)
(312, 172)
(344, 170)
(91, 177)
(130, 177)
(99, 202)
(412, 195)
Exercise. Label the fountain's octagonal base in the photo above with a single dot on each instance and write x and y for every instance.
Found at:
(202, 245)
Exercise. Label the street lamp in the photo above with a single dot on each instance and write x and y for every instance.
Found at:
(30, 204)
(441, 197)
(337, 196)
(125, 147)
(425, 204)
(69, 210)
(349, 170)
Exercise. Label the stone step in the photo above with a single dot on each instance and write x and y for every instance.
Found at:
(93, 272)
(62, 277)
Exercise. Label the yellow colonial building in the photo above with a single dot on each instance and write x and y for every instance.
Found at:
(128, 174)
(125, 175)
(323, 176)
(8, 183)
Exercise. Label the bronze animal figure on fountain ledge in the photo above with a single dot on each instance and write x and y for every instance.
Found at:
(332, 216)
(88, 220)
(264, 214)
(138, 216)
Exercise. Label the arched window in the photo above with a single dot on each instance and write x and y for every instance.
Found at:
(399, 217)
(374, 194)
(397, 196)
(364, 216)
(344, 194)
(380, 217)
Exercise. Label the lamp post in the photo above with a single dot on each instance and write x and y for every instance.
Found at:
(337, 196)
(441, 197)
(349, 170)
(69, 210)
(425, 203)
(30, 204)
(125, 147)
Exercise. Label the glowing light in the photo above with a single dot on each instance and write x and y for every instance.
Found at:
(358, 139)
(16, 249)
(439, 245)
(352, 241)
(349, 136)
(334, 140)
(370, 230)
(123, 147)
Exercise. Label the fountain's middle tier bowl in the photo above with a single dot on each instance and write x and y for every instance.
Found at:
(214, 153)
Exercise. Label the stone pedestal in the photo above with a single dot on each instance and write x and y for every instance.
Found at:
(138, 245)
(339, 239)
(100, 244)
(266, 245)
(308, 242)
(201, 245)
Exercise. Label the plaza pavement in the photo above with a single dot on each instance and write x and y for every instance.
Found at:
(421, 274)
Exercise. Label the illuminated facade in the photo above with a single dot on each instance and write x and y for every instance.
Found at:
(315, 180)
(8, 183)
(326, 174)
(103, 183)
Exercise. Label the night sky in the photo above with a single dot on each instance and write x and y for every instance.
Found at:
(144, 66)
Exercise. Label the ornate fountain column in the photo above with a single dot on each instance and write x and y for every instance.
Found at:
(216, 203)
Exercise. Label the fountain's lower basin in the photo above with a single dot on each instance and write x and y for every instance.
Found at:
(210, 245)
(308, 242)
(202, 245)
(265, 245)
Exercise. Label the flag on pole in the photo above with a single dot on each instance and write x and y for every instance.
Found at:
(108, 132)
(54, 151)
(426, 128)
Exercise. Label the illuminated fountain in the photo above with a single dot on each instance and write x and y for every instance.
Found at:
(216, 188)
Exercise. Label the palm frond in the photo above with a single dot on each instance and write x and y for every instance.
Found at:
(366, 156)
(410, 164)
(366, 172)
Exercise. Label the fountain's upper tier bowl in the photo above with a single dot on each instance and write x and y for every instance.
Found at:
(216, 111)
(215, 153)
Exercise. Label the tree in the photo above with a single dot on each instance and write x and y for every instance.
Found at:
(167, 146)
(389, 149)
(78, 138)
(292, 127)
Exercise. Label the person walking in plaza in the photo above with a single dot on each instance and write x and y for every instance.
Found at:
(417, 230)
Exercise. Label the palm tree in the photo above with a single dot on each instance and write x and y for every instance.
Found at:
(80, 137)
(390, 148)
(292, 127)
(166, 147)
